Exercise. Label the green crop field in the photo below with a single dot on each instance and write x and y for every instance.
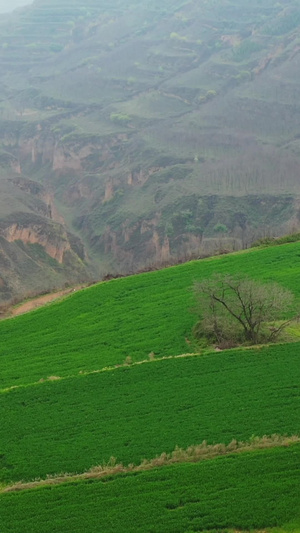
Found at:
(255, 490)
(131, 316)
(141, 411)
(51, 426)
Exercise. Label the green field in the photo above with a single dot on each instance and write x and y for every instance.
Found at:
(132, 316)
(138, 411)
(255, 490)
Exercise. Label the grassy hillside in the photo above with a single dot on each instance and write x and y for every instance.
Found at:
(256, 490)
(132, 316)
(139, 412)
(143, 410)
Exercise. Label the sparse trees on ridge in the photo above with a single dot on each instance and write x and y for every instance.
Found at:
(235, 309)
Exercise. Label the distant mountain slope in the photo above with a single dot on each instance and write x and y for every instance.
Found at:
(9, 5)
(161, 130)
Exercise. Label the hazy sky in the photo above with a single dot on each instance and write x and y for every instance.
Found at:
(9, 5)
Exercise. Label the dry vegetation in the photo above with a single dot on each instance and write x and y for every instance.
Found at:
(192, 454)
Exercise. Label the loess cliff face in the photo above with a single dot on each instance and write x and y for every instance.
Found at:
(146, 134)
(37, 253)
(88, 179)
(30, 266)
(54, 245)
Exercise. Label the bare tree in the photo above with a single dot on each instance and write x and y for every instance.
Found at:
(234, 308)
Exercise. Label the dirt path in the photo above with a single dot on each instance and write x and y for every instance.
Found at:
(39, 301)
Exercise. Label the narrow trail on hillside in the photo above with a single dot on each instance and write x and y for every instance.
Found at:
(40, 301)
(116, 367)
(100, 370)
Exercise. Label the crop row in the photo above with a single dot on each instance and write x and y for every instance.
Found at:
(141, 411)
(254, 490)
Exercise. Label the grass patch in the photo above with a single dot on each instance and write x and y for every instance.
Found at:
(193, 454)
(133, 413)
(240, 492)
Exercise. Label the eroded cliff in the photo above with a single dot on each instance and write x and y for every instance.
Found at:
(143, 139)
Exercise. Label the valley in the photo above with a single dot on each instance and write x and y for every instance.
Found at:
(137, 136)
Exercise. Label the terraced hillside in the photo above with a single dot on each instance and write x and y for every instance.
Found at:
(157, 130)
(70, 400)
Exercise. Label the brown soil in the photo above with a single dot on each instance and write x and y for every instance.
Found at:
(39, 301)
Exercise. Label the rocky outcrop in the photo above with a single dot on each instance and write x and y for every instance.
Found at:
(77, 192)
(55, 245)
(141, 175)
(66, 158)
(61, 153)
(109, 191)
(25, 271)
(46, 206)
(162, 249)
(29, 186)
(38, 254)
(143, 243)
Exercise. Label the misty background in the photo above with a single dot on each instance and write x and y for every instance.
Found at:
(10, 5)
